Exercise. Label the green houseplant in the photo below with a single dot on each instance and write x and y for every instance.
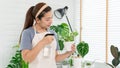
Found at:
(59, 30)
(16, 61)
(82, 48)
(116, 54)
(65, 64)
(63, 33)
(65, 37)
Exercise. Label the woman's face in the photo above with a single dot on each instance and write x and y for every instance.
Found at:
(46, 21)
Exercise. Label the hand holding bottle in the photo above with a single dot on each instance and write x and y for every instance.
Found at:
(48, 39)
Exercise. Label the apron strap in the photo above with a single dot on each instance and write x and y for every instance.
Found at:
(35, 29)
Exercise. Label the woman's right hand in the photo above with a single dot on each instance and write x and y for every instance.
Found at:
(47, 39)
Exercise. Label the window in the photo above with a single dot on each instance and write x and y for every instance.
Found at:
(114, 25)
(93, 28)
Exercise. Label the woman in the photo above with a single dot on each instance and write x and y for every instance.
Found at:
(38, 50)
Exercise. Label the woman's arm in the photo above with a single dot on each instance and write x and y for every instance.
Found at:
(30, 55)
(60, 57)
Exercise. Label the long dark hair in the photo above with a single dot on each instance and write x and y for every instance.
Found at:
(31, 13)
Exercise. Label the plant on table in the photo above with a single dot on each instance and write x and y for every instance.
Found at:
(116, 54)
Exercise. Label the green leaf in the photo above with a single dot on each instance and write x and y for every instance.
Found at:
(61, 44)
(114, 51)
(115, 62)
(16, 61)
(54, 28)
(71, 62)
(119, 56)
(9, 66)
(82, 48)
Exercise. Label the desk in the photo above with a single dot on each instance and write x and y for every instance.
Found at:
(101, 65)
(95, 65)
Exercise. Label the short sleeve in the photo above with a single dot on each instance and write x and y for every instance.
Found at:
(26, 41)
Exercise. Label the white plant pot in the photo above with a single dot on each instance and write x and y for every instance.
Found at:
(67, 45)
(77, 62)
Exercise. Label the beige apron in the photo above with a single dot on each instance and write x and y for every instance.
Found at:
(41, 61)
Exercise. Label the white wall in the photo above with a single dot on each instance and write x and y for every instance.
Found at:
(77, 19)
(12, 15)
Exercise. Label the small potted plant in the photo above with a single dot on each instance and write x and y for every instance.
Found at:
(59, 29)
(67, 36)
(65, 64)
(69, 40)
(71, 61)
(88, 64)
(82, 49)
(116, 54)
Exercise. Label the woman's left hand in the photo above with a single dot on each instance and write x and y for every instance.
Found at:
(72, 49)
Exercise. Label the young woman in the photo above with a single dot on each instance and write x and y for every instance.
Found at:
(38, 50)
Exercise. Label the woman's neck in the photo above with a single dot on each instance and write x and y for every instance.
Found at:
(40, 29)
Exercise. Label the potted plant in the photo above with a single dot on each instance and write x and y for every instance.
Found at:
(69, 40)
(59, 29)
(65, 64)
(82, 49)
(116, 54)
(16, 61)
(65, 37)
(71, 61)
(88, 64)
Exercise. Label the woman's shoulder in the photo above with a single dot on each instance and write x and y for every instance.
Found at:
(29, 31)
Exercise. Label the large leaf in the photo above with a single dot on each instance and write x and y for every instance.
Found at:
(115, 62)
(114, 51)
(61, 45)
(54, 28)
(82, 48)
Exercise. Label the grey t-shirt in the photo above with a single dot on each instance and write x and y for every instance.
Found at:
(27, 36)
